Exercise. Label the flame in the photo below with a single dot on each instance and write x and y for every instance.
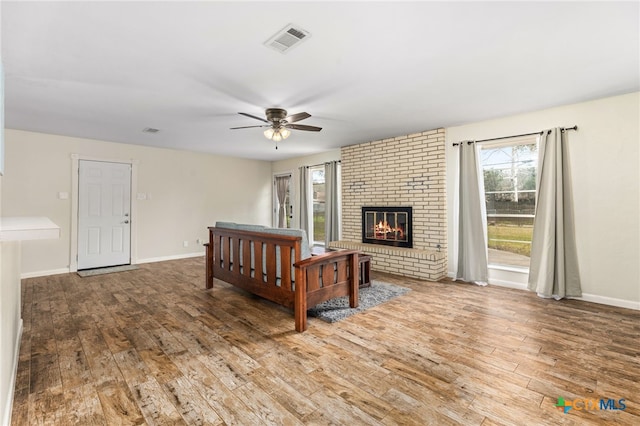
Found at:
(383, 228)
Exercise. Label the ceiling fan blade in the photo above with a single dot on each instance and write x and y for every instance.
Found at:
(297, 117)
(248, 127)
(303, 127)
(253, 116)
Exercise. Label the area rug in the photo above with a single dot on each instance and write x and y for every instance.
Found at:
(108, 270)
(338, 309)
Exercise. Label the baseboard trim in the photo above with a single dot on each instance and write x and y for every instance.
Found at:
(611, 301)
(174, 257)
(44, 273)
(8, 406)
(592, 298)
(148, 260)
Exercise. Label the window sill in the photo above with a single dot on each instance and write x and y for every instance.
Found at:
(507, 268)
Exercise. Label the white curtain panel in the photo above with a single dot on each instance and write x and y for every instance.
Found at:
(282, 183)
(332, 212)
(303, 200)
(554, 260)
(472, 240)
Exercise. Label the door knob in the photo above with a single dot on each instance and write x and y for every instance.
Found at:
(126, 221)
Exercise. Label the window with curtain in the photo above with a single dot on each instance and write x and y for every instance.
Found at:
(509, 170)
(319, 198)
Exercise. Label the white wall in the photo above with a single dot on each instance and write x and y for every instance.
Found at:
(189, 191)
(10, 323)
(604, 155)
(292, 165)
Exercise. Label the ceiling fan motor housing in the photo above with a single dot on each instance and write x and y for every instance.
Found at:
(277, 119)
(276, 115)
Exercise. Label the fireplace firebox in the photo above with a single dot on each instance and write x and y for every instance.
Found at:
(390, 226)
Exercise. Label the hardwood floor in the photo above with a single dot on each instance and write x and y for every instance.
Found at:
(152, 346)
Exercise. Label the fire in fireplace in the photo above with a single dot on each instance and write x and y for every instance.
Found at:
(390, 226)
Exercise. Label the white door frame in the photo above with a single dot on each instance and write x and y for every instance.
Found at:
(75, 182)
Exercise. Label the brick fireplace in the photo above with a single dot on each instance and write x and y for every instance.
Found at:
(411, 174)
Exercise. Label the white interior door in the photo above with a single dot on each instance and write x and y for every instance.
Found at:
(104, 209)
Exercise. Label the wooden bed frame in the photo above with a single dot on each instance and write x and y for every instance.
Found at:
(316, 279)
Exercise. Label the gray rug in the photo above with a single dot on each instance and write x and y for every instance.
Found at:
(338, 309)
(108, 270)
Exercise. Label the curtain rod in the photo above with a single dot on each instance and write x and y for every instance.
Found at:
(516, 136)
(322, 164)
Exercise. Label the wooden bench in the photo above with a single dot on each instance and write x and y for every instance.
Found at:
(262, 263)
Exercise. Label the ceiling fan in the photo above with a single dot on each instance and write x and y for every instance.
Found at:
(279, 123)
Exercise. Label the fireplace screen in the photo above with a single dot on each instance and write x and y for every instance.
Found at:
(387, 225)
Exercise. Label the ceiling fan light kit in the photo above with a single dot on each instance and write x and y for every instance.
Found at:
(279, 123)
(277, 134)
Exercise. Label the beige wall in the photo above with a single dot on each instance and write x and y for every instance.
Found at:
(188, 192)
(307, 160)
(604, 155)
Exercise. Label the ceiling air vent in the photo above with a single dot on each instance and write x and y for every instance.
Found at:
(287, 38)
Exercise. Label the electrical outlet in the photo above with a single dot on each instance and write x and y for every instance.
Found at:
(198, 241)
(185, 243)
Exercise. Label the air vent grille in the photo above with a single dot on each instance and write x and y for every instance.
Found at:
(287, 38)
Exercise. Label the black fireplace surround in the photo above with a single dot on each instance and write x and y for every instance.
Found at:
(391, 226)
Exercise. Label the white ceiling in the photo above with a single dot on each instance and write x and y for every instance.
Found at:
(107, 70)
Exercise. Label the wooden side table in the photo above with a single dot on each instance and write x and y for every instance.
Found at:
(365, 268)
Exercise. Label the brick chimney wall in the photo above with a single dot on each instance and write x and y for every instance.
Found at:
(402, 171)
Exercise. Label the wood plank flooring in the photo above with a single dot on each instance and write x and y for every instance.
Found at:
(152, 346)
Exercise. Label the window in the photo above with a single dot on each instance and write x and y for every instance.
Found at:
(509, 170)
(282, 206)
(319, 196)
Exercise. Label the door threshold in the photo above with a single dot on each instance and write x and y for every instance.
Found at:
(106, 270)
